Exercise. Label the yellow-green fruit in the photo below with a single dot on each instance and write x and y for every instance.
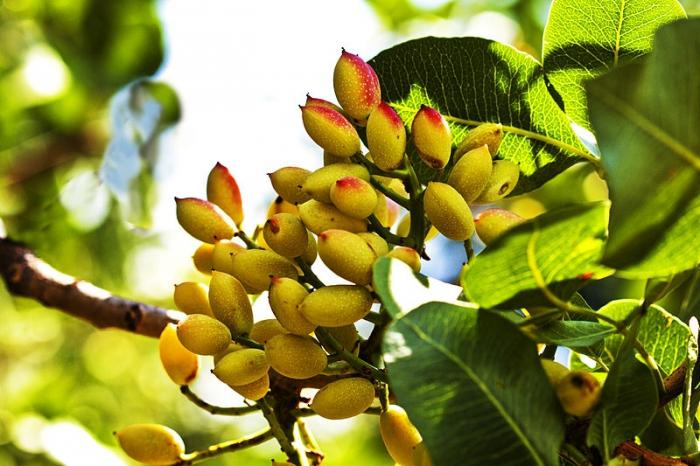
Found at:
(152, 444)
(405, 227)
(578, 393)
(223, 191)
(381, 211)
(492, 223)
(203, 334)
(330, 159)
(233, 346)
(202, 258)
(336, 305)
(287, 182)
(316, 102)
(265, 329)
(203, 220)
(471, 173)
(285, 297)
(354, 197)
(504, 177)
(343, 398)
(421, 457)
(179, 363)
(408, 255)
(376, 242)
(242, 367)
(222, 258)
(346, 335)
(255, 267)
(286, 235)
(230, 303)
(622, 460)
(400, 436)
(347, 255)
(295, 356)
(319, 217)
(191, 298)
(318, 184)
(331, 130)
(489, 134)
(386, 137)
(255, 390)
(448, 211)
(356, 86)
(555, 372)
(280, 206)
(311, 251)
(432, 137)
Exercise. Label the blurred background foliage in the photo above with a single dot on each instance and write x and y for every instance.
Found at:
(80, 124)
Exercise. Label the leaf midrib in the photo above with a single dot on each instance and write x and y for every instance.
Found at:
(511, 129)
(482, 387)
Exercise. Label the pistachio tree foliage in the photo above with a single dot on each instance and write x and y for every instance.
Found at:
(463, 375)
(423, 135)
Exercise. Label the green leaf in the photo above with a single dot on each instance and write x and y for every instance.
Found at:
(586, 38)
(558, 250)
(573, 333)
(663, 335)
(458, 371)
(676, 250)
(628, 403)
(646, 116)
(473, 81)
(402, 290)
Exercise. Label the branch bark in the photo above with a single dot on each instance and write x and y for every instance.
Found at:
(27, 275)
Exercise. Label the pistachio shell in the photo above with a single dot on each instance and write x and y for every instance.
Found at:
(295, 356)
(152, 444)
(203, 334)
(336, 305)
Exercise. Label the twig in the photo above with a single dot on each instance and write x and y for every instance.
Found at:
(229, 411)
(225, 447)
(363, 367)
(27, 275)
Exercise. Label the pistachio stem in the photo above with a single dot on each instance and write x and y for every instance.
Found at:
(225, 447)
(362, 366)
(229, 411)
(309, 276)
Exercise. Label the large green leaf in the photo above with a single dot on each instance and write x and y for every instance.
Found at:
(558, 250)
(646, 116)
(402, 290)
(472, 81)
(458, 372)
(628, 402)
(664, 336)
(676, 250)
(586, 38)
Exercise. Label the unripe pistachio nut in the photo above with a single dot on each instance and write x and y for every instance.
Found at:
(255, 267)
(344, 398)
(331, 130)
(223, 191)
(230, 303)
(242, 367)
(285, 296)
(504, 178)
(295, 356)
(286, 235)
(489, 134)
(400, 436)
(448, 211)
(179, 363)
(471, 173)
(432, 137)
(356, 86)
(492, 223)
(319, 217)
(287, 182)
(347, 255)
(336, 305)
(151, 444)
(318, 184)
(386, 137)
(203, 220)
(354, 197)
(191, 298)
(203, 334)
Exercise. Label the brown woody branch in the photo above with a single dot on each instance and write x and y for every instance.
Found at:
(27, 275)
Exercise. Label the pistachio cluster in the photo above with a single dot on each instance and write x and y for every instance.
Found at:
(345, 214)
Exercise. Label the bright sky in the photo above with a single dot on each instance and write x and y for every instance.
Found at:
(241, 69)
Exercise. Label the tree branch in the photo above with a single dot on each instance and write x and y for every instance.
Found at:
(27, 275)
